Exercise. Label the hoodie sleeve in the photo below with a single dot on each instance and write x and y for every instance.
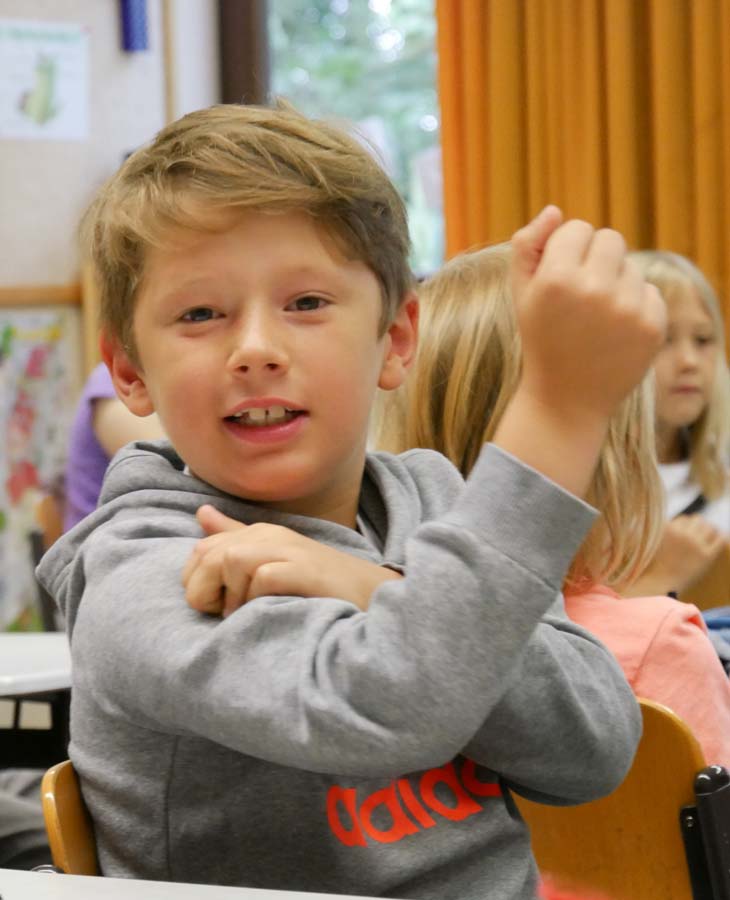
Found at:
(315, 684)
(570, 711)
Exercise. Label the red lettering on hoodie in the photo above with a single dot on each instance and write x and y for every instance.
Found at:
(401, 826)
(346, 796)
(465, 805)
(415, 808)
(458, 785)
(471, 782)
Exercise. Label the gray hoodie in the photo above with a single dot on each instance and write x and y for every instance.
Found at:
(302, 744)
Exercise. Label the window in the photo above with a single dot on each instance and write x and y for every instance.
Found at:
(372, 65)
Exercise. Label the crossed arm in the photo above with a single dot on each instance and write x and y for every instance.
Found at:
(237, 563)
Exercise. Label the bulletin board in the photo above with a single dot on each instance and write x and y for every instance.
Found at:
(113, 102)
(41, 365)
(46, 184)
(48, 175)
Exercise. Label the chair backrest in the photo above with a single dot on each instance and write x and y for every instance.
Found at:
(628, 845)
(48, 528)
(713, 589)
(50, 520)
(68, 825)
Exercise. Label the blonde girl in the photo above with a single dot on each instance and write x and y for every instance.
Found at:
(466, 370)
(692, 391)
(465, 373)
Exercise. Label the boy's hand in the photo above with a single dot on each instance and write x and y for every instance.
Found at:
(689, 546)
(590, 328)
(590, 324)
(238, 563)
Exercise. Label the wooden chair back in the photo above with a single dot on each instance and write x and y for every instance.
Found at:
(49, 519)
(627, 845)
(48, 528)
(68, 825)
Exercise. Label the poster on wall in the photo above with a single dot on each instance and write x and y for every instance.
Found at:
(44, 80)
(39, 383)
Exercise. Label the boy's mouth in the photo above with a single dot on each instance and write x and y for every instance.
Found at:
(263, 416)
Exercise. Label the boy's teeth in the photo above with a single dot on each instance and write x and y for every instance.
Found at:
(256, 415)
(271, 415)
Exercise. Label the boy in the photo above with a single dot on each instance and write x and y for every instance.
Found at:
(253, 270)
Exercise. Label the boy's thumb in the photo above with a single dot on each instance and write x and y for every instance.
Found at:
(529, 242)
(212, 521)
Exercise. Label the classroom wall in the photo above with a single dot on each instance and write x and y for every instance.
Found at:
(195, 63)
(45, 185)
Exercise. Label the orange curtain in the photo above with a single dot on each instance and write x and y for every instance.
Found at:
(616, 110)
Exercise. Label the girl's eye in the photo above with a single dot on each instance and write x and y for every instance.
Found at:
(199, 314)
(306, 304)
(703, 340)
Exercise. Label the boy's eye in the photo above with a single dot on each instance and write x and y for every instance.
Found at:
(306, 304)
(199, 314)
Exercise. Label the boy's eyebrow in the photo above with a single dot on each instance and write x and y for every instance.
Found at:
(299, 270)
(173, 291)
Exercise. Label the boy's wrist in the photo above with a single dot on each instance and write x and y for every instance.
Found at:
(563, 444)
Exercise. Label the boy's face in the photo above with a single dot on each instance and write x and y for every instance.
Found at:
(258, 348)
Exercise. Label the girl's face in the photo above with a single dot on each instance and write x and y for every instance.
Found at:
(685, 366)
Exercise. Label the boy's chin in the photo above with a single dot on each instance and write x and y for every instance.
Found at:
(277, 494)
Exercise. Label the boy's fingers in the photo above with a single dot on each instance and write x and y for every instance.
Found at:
(201, 549)
(529, 242)
(607, 254)
(234, 597)
(212, 521)
(277, 578)
(657, 307)
(568, 246)
(204, 592)
(235, 576)
(213, 574)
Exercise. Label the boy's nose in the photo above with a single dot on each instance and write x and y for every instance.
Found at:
(256, 349)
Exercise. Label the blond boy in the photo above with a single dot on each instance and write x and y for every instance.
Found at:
(346, 729)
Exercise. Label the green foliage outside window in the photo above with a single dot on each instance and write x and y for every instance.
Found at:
(372, 64)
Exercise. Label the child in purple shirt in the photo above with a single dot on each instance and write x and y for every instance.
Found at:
(102, 425)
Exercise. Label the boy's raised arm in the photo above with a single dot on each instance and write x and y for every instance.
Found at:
(590, 327)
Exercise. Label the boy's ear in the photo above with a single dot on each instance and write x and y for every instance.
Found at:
(401, 340)
(126, 375)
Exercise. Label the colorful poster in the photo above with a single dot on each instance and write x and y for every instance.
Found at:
(39, 383)
(44, 80)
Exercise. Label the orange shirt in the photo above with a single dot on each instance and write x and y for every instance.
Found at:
(663, 649)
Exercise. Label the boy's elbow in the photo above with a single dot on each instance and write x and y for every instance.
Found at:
(610, 754)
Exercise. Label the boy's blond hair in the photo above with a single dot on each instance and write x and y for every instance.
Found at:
(709, 436)
(465, 373)
(203, 169)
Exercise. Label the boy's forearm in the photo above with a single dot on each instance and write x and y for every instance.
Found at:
(568, 754)
(559, 444)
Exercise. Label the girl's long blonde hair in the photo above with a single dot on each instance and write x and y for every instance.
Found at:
(709, 436)
(465, 373)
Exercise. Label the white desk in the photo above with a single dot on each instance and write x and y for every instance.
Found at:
(38, 886)
(31, 663)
